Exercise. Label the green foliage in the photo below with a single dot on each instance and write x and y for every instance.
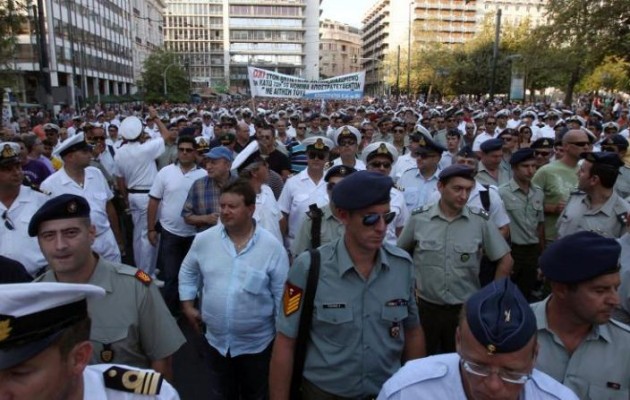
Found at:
(612, 75)
(12, 15)
(152, 84)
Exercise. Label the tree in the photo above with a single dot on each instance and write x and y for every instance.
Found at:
(12, 16)
(612, 75)
(583, 32)
(160, 67)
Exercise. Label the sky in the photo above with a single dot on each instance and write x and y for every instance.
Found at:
(348, 11)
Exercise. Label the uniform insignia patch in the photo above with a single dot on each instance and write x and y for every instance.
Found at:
(133, 381)
(319, 144)
(143, 277)
(491, 349)
(8, 151)
(394, 331)
(107, 354)
(291, 299)
(72, 207)
(5, 329)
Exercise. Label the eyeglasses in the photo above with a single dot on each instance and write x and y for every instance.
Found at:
(7, 221)
(542, 153)
(580, 144)
(185, 149)
(517, 378)
(98, 138)
(372, 219)
(347, 143)
(316, 154)
(491, 123)
(380, 164)
(507, 139)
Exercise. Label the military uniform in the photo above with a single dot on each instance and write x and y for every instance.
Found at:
(331, 230)
(131, 324)
(598, 369)
(439, 377)
(446, 258)
(608, 220)
(358, 327)
(526, 212)
(118, 382)
(622, 185)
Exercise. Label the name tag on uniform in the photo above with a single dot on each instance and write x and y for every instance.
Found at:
(397, 303)
(613, 385)
(334, 305)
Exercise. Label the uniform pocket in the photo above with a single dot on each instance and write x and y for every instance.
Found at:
(394, 314)
(335, 323)
(601, 393)
(255, 281)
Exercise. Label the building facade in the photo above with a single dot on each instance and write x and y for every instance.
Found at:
(218, 39)
(392, 23)
(69, 52)
(339, 49)
(147, 32)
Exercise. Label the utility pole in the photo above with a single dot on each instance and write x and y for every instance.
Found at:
(495, 53)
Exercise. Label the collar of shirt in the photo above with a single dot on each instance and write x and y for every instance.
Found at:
(598, 331)
(435, 212)
(252, 241)
(606, 208)
(345, 263)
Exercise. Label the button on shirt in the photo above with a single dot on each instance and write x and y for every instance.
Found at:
(16, 243)
(171, 186)
(598, 369)
(358, 327)
(241, 292)
(95, 190)
(525, 211)
(418, 189)
(446, 254)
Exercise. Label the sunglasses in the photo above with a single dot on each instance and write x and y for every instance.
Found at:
(347, 143)
(185, 149)
(372, 219)
(381, 164)
(316, 154)
(7, 221)
(98, 138)
(542, 153)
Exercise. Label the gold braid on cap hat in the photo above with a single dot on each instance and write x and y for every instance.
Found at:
(7, 151)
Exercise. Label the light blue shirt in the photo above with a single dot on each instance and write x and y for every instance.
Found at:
(241, 292)
(418, 189)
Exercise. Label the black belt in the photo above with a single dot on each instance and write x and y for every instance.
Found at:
(442, 306)
(137, 190)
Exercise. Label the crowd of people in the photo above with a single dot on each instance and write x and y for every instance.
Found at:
(324, 249)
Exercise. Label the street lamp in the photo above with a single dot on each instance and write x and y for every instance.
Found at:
(164, 76)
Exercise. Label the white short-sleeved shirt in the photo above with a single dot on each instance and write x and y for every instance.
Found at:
(171, 187)
(95, 190)
(404, 163)
(298, 193)
(544, 132)
(135, 162)
(16, 243)
(482, 137)
(94, 385)
(268, 213)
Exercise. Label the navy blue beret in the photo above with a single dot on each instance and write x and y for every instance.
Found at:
(187, 131)
(522, 155)
(500, 318)
(466, 152)
(426, 144)
(457, 170)
(491, 145)
(60, 207)
(616, 140)
(579, 257)
(338, 170)
(362, 189)
(542, 143)
(603, 157)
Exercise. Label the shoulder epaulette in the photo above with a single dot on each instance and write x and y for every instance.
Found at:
(397, 186)
(623, 218)
(420, 210)
(133, 381)
(620, 325)
(481, 212)
(143, 277)
(576, 192)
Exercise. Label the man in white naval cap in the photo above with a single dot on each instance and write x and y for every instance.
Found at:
(45, 349)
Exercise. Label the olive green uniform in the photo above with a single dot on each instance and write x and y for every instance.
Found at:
(358, 325)
(609, 220)
(331, 229)
(131, 325)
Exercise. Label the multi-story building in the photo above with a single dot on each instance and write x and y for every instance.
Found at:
(409, 23)
(88, 52)
(147, 31)
(339, 48)
(218, 39)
